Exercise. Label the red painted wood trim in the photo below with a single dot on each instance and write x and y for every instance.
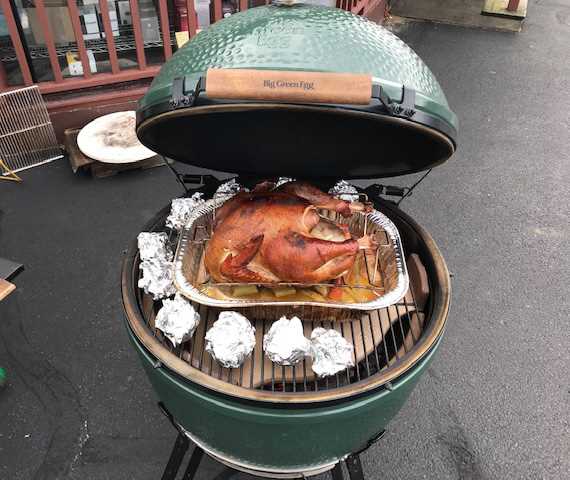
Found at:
(513, 5)
(97, 80)
(242, 5)
(191, 12)
(358, 6)
(3, 78)
(372, 5)
(104, 6)
(218, 10)
(81, 101)
(137, 29)
(16, 42)
(74, 16)
(165, 29)
(48, 37)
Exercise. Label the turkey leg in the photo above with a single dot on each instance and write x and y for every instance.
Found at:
(235, 267)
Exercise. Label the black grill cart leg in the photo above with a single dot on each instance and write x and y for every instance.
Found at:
(176, 456)
(354, 467)
(193, 464)
(226, 474)
(336, 472)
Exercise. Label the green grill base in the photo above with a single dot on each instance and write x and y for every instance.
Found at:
(289, 439)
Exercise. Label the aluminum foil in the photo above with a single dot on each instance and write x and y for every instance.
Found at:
(157, 268)
(154, 245)
(177, 319)
(181, 209)
(345, 191)
(231, 339)
(157, 278)
(231, 187)
(332, 353)
(283, 180)
(285, 343)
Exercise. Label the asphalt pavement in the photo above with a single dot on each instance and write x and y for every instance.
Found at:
(495, 403)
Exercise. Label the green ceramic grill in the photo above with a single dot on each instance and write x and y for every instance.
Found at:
(403, 126)
(321, 94)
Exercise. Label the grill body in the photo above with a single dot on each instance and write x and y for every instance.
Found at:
(292, 433)
(406, 127)
(292, 438)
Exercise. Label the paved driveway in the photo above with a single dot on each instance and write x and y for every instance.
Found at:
(495, 402)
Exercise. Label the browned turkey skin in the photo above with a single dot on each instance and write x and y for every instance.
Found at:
(276, 235)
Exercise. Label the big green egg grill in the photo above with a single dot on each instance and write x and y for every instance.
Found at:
(321, 94)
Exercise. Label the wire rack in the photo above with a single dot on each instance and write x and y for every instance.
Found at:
(27, 137)
(380, 338)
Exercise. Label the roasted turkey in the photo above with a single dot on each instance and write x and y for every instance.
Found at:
(274, 235)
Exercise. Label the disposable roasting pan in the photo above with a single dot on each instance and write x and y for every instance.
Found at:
(390, 281)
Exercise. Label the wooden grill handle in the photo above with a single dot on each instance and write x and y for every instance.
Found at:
(304, 87)
(6, 288)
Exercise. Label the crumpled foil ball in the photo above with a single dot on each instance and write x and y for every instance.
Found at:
(156, 265)
(177, 319)
(285, 343)
(283, 180)
(181, 209)
(345, 191)
(154, 245)
(231, 339)
(231, 187)
(332, 353)
(157, 278)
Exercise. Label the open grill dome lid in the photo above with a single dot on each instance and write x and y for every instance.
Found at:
(301, 91)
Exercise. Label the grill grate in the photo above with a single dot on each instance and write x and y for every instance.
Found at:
(27, 137)
(381, 338)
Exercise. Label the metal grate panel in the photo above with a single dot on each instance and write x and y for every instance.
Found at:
(27, 137)
(381, 338)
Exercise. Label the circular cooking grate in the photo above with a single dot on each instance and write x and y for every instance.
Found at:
(387, 342)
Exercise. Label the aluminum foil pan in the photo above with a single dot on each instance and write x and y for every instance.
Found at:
(189, 253)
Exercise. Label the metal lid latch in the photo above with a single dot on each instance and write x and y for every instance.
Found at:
(406, 108)
(181, 99)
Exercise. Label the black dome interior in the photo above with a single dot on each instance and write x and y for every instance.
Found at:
(293, 141)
